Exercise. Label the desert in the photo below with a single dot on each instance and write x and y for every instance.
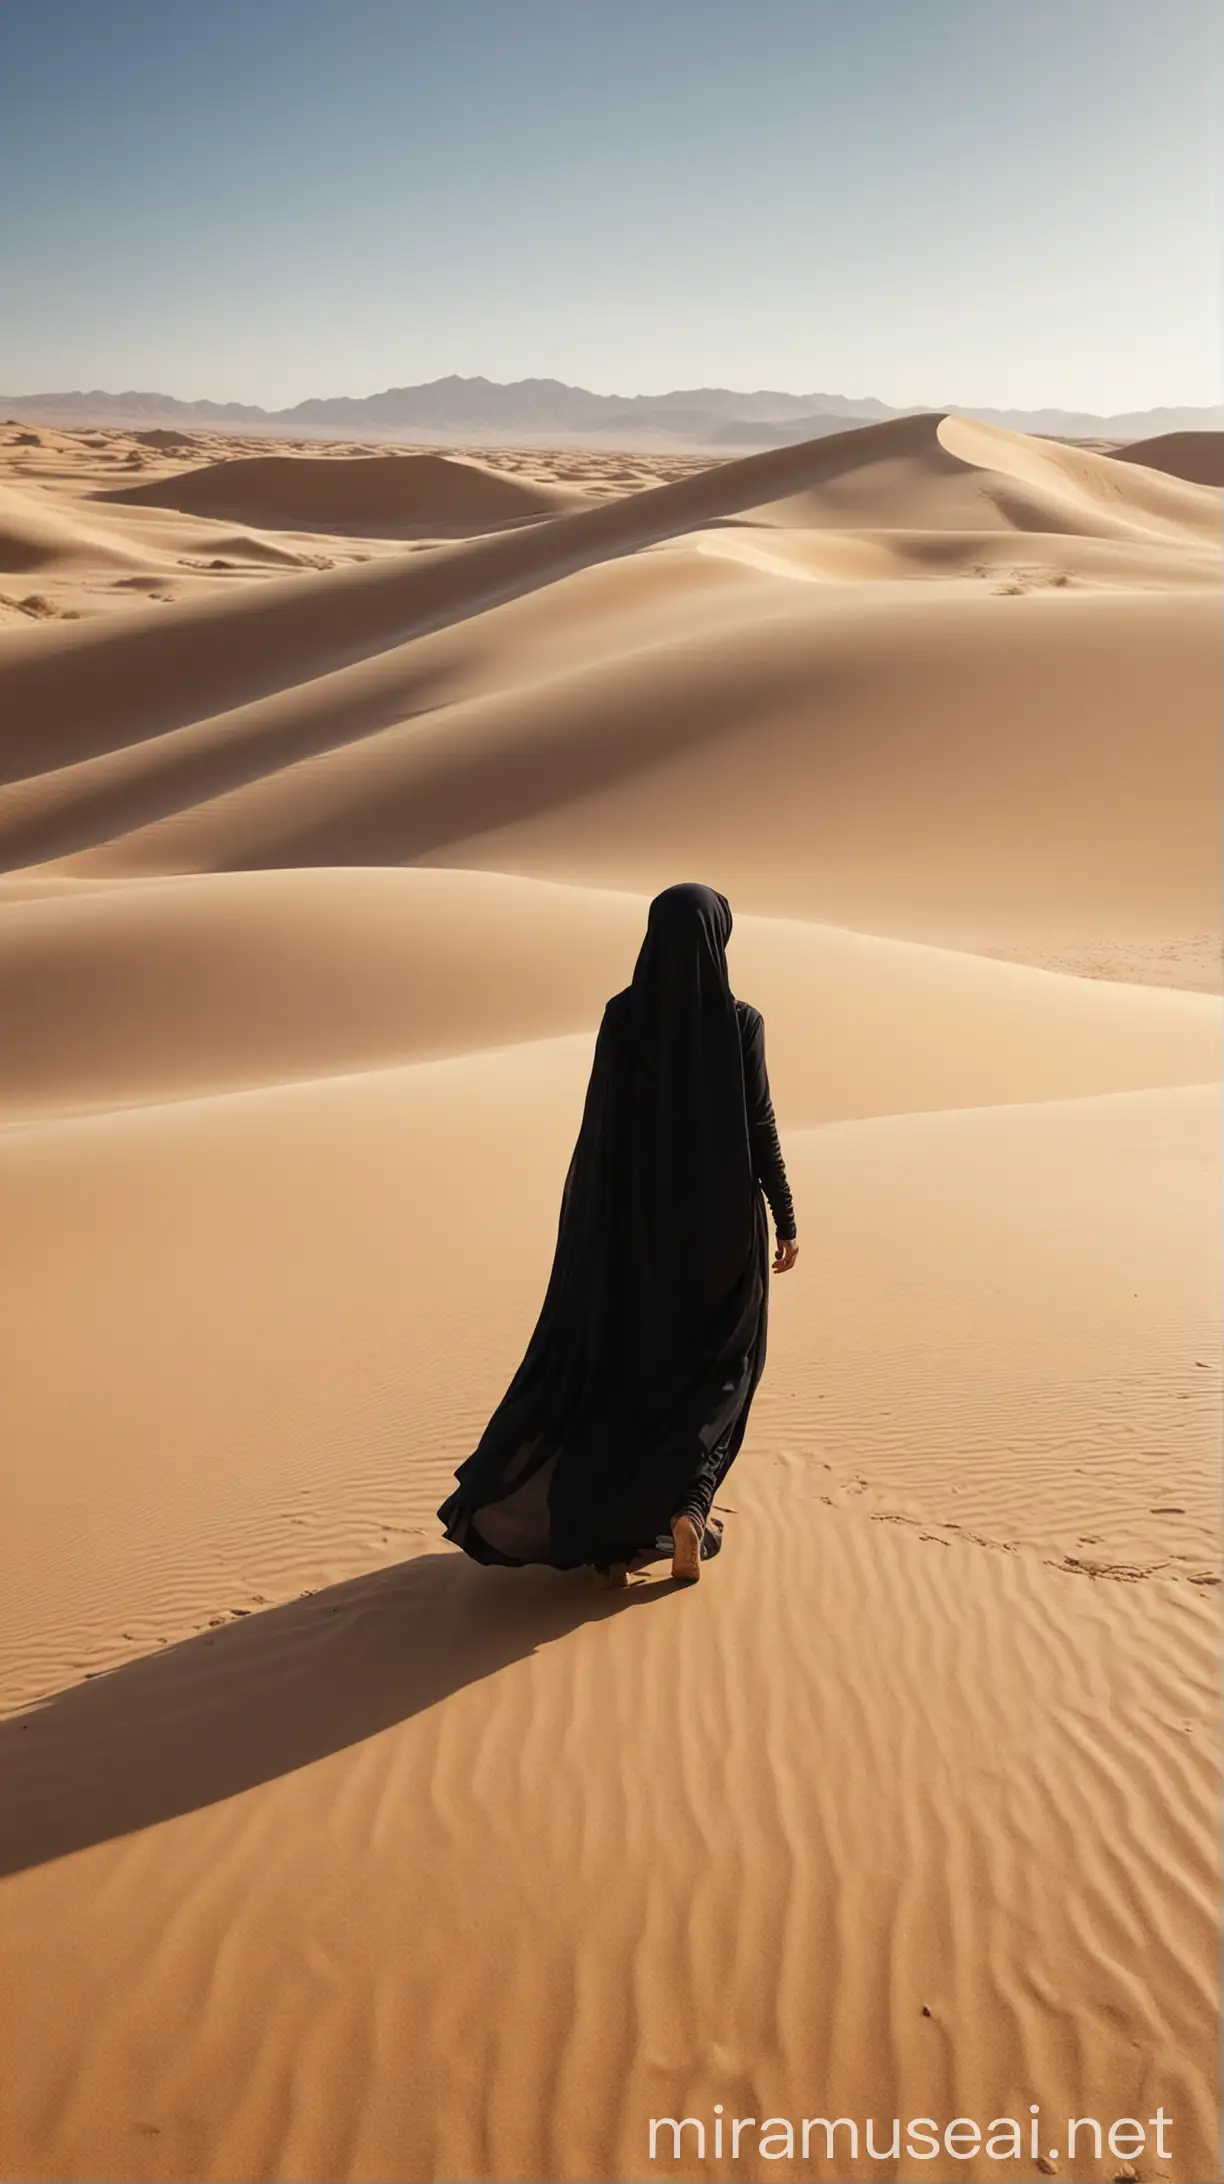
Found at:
(337, 780)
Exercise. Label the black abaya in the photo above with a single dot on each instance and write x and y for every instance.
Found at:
(633, 1395)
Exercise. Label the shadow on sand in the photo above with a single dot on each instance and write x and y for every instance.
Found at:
(230, 1708)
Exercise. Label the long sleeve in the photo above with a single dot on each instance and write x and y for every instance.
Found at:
(763, 1130)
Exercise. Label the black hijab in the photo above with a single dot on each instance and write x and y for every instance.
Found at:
(651, 1337)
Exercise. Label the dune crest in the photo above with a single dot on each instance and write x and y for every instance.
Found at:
(1090, 484)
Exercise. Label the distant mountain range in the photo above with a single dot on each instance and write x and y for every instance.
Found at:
(532, 409)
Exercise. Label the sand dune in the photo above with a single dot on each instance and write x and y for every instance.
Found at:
(1086, 484)
(90, 560)
(164, 436)
(36, 537)
(323, 1854)
(405, 496)
(1197, 456)
(953, 473)
(287, 632)
(987, 772)
(162, 989)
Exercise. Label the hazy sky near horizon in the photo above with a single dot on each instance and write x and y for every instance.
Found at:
(930, 201)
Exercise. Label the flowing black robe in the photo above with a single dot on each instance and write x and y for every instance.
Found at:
(639, 1375)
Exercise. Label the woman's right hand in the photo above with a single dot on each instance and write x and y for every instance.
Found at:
(785, 1254)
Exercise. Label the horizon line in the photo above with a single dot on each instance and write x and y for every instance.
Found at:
(579, 387)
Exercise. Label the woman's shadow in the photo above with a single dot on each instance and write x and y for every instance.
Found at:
(243, 1704)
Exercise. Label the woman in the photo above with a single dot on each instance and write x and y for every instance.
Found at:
(631, 1402)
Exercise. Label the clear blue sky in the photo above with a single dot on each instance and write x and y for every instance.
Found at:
(1003, 202)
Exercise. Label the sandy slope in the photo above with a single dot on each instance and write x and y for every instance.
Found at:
(405, 496)
(35, 537)
(1198, 456)
(330, 1856)
(996, 757)
(131, 992)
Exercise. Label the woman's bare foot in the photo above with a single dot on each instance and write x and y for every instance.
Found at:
(686, 1550)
